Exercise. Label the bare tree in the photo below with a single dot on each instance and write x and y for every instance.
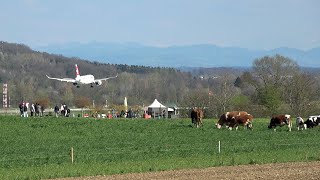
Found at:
(273, 71)
(300, 92)
(223, 93)
(82, 102)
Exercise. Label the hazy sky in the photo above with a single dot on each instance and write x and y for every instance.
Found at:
(253, 24)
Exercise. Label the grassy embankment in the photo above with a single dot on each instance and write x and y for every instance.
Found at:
(35, 148)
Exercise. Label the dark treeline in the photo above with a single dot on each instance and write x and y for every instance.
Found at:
(217, 89)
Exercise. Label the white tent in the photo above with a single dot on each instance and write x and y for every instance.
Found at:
(156, 109)
(156, 104)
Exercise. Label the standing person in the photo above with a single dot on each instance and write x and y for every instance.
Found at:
(37, 109)
(62, 110)
(65, 107)
(42, 110)
(32, 109)
(25, 109)
(56, 110)
(21, 108)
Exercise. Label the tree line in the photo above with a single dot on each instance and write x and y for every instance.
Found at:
(274, 84)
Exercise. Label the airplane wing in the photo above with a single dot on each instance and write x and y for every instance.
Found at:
(63, 79)
(104, 79)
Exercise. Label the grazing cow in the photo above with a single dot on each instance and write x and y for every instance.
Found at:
(309, 123)
(312, 121)
(316, 119)
(300, 123)
(222, 121)
(280, 120)
(196, 117)
(243, 119)
(226, 118)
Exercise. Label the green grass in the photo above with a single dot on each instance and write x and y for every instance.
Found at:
(37, 148)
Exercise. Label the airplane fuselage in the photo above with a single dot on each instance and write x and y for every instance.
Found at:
(85, 79)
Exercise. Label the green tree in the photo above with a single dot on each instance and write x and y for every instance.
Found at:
(269, 76)
(240, 102)
(270, 97)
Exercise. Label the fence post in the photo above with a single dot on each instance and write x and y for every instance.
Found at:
(71, 155)
(219, 147)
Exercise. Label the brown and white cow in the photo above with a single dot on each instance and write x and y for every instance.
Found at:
(280, 120)
(243, 120)
(226, 118)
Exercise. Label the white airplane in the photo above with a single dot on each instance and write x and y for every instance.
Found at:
(85, 79)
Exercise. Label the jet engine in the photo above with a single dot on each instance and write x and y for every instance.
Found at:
(76, 84)
(98, 83)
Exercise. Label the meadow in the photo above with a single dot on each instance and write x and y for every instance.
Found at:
(40, 148)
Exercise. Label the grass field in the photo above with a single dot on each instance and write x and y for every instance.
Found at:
(37, 148)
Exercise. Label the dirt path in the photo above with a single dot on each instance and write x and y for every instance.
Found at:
(288, 171)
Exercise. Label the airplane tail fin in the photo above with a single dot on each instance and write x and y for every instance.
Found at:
(77, 71)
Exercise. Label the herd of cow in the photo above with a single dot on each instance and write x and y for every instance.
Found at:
(234, 119)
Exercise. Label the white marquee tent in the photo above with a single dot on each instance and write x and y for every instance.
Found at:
(157, 109)
(156, 104)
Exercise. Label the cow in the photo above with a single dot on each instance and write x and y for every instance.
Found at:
(242, 119)
(312, 121)
(226, 118)
(300, 123)
(280, 120)
(193, 115)
(196, 117)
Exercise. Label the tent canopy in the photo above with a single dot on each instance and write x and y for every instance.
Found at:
(156, 104)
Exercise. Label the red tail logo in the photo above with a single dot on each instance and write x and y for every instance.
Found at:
(77, 71)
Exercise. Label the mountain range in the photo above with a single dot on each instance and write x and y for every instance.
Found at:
(200, 55)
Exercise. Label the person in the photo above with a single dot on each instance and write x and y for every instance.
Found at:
(68, 112)
(122, 113)
(65, 107)
(56, 110)
(129, 114)
(37, 108)
(40, 112)
(62, 110)
(25, 109)
(32, 109)
(21, 108)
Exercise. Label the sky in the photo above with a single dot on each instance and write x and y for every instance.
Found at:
(252, 24)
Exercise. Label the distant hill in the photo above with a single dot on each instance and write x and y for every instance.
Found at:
(203, 55)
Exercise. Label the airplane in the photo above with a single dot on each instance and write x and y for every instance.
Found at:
(85, 79)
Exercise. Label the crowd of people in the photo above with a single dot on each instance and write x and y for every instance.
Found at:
(38, 111)
(63, 111)
(35, 109)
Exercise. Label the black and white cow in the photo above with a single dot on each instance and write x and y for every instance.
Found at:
(312, 121)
